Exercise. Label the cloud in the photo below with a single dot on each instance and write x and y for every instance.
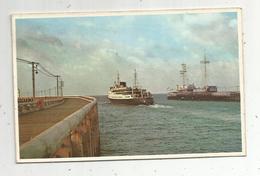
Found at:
(90, 51)
(46, 39)
(215, 33)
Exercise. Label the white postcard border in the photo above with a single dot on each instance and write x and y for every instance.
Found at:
(132, 12)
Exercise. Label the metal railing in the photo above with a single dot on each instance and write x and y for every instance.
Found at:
(30, 104)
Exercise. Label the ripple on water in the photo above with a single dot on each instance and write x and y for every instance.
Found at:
(169, 127)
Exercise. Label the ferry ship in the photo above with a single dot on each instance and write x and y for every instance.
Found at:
(120, 93)
(206, 93)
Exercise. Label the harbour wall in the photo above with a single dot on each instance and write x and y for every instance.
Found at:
(205, 96)
(75, 136)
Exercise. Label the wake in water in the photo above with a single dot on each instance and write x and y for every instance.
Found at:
(105, 102)
(160, 106)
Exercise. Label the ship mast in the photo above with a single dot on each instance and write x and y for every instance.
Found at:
(118, 78)
(135, 79)
(183, 74)
(205, 62)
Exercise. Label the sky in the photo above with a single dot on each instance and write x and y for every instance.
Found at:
(89, 51)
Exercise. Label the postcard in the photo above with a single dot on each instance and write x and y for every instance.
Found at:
(128, 85)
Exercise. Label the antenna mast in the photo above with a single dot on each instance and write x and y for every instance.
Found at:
(183, 74)
(205, 62)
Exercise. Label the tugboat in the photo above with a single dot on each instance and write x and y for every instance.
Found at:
(207, 93)
(121, 94)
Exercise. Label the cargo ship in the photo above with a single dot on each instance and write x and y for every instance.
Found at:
(120, 93)
(206, 93)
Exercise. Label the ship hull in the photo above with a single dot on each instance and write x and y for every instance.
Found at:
(134, 101)
(204, 97)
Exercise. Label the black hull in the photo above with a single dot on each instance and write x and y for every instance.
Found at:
(205, 97)
(135, 101)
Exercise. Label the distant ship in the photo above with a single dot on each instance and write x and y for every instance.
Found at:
(121, 94)
(207, 93)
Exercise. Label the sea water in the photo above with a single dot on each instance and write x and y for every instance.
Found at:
(169, 127)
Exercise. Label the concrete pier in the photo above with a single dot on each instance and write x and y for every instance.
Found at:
(70, 129)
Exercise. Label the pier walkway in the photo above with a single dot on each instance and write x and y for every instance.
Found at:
(32, 124)
(69, 128)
